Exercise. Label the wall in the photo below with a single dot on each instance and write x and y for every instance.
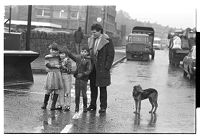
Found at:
(40, 41)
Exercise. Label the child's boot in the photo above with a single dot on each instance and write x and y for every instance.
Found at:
(84, 104)
(46, 99)
(53, 105)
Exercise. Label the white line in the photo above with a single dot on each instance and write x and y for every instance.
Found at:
(67, 128)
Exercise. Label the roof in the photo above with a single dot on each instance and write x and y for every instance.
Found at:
(136, 34)
(18, 22)
(143, 29)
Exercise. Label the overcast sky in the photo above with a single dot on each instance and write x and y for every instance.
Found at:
(168, 12)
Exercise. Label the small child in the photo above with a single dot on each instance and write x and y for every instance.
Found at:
(54, 81)
(65, 94)
(83, 62)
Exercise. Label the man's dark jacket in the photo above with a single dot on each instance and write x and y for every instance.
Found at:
(102, 60)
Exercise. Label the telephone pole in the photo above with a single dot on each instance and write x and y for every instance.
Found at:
(86, 19)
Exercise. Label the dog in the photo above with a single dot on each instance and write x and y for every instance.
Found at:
(139, 94)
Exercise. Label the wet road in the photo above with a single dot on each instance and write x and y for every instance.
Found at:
(175, 114)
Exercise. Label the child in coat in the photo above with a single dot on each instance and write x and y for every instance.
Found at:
(84, 67)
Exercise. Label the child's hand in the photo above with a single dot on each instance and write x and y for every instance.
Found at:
(79, 75)
(58, 66)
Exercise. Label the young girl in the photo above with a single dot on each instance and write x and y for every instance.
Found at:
(54, 81)
(65, 94)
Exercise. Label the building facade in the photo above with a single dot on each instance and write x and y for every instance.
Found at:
(69, 17)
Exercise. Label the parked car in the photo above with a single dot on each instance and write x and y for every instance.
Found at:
(189, 64)
(157, 43)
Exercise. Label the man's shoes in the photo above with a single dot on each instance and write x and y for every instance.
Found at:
(67, 108)
(84, 109)
(90, 108)
(102, 110)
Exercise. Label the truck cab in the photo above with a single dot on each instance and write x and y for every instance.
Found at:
(140, 44)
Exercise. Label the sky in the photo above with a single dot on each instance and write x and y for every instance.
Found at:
(169, 12)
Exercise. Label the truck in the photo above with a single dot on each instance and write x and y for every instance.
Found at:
(187, 40)
(140, 44)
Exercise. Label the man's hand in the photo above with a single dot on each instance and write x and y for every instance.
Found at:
(79, 75)
(66, 50)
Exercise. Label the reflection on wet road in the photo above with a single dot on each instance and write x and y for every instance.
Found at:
(175, 114)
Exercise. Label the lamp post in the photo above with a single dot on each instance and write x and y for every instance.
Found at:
(28, 27)
(86, 20)
(10, 18)
(103, 9)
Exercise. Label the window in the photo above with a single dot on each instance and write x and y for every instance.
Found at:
(60, 14)
(43, 12)
(39, 12)
(110, 18)
(82, 15)
(137, 39)
(63, 14)
(74, 15)
(56, 14)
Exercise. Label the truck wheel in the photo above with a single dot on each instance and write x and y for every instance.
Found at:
(152, 55)
(189, 75)
(184, 73)
(145, 57)
(170, 62)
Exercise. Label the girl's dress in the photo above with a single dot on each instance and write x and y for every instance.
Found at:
(54, 79)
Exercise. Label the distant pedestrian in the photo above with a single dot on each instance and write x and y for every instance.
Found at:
(78, 37)
(66, 71)
(54, 81)
(102, 56)
(83, 62)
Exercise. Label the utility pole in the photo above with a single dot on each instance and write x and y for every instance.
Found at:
(10, 18)
(86, 19)
(104, 17)
(28, 27)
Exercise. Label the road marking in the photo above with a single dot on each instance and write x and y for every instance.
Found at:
(67, 128)
(76, 116)
(120, 51)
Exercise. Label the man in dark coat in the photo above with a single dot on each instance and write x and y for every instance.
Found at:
(102, 54)
(78, 36)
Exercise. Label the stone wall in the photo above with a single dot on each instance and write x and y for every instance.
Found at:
(40, 41)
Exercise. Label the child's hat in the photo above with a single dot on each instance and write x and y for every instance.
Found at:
(53, 46)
